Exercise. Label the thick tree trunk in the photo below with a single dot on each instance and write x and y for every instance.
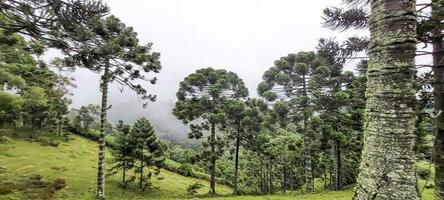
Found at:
(387, 168)
(103, 120)
(213, 161)
(438, 94)
(236, 159)
(336, 154)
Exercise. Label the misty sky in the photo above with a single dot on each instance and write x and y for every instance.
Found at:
(243, 36)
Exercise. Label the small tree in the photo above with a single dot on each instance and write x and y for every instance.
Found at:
(148, 150)
(123, 151)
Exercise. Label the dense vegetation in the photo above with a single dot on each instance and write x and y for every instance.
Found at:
(315, 127)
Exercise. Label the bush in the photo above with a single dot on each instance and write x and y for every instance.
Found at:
(185, 170)
(192, 189)
(5, 140)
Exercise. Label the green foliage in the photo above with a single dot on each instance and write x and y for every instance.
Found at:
(203, 95)
(147, 150)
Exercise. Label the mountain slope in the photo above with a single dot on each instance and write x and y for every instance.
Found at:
(76, 163)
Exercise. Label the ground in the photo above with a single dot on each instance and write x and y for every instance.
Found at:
(75, 162)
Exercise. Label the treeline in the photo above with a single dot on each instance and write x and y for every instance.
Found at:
(31, 94)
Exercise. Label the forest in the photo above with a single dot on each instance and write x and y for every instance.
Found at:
(356, 117)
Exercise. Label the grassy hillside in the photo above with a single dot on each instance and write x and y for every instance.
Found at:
(75, 162)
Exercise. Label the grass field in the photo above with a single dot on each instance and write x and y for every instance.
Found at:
(76, 162)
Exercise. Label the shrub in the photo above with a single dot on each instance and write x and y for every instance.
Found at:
(192, 189)
(185, 170)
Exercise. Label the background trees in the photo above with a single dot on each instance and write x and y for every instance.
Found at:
(201, 97)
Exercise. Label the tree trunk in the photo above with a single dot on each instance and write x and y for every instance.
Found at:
(236, 159)
(103, 120)
(213, 161)
(307, 145)
(387, 168)
(141, 172)
(438, 94)
(336, 165)
(60, 125)
(123, 177)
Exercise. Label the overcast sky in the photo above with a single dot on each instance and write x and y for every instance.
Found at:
(243, 36)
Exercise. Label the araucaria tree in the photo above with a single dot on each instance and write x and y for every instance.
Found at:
(388, 160)
(289, 80)
(113, 49)
(147, 150)
(201, 97)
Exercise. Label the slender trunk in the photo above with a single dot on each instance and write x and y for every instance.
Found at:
(387, 168)
(271, 179)
(141, 171)
(236, 160)
(336, 166)
(213, 161)
(307, 144)
(438, 94)
(123, 177)
(60, 125)
(101, 162)
(325, 180)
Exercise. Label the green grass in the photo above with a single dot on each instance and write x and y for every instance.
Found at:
(76, 162)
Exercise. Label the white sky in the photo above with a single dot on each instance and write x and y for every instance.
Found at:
(243, 36)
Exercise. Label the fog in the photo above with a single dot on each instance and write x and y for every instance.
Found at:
(241, 36)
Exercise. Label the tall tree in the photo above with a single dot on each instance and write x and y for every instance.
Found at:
(112, 48)
(200, 97)
(289, 79)
(432, 31)
(388, 162)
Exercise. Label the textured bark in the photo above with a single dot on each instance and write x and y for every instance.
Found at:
(101, 162)
(336, 174)
(236, 159)
(213, 161)
(387, 168)
(438, 94)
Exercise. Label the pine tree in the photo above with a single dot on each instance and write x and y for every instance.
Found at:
(289, 80)
(388, 162)
(123, 151)
(147, 149)
(112, 48)
(50, 22)
(202, 95)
